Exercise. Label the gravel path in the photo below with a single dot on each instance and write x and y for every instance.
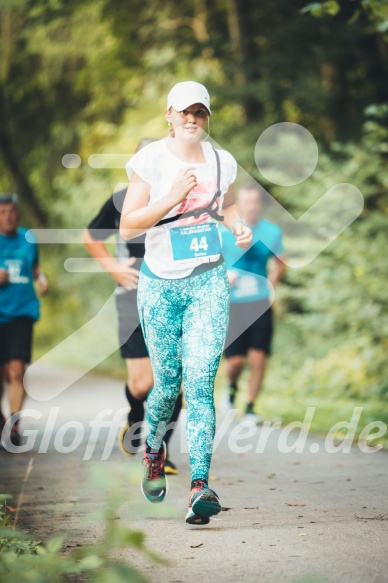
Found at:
(288, 517)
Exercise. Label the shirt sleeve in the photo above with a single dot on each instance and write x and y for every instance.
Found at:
(35, 261)
(229, 166)
(30, 239)
(144, 164)
(278, 248)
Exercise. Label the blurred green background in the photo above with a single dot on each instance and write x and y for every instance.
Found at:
(91, 77)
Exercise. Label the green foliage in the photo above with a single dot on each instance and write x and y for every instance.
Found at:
(91, 77)
(332, 336)
(25, 560)
(4, 516)
(320, 9)
(11, 541)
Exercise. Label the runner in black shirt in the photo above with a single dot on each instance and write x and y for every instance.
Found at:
(125, 270)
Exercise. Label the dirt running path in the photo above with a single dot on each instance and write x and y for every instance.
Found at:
(291, 517)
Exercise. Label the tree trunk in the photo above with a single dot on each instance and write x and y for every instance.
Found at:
(238, 33)
(11, 160)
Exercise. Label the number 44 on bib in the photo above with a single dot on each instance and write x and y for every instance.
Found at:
(195, 241)
(195, 246)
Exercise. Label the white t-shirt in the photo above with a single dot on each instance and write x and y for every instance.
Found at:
(158, 166)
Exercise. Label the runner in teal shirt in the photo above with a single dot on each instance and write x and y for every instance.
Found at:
(251, 267)
(251, 295)
(19, 309)
(19, 257)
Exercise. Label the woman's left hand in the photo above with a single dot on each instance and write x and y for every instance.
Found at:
(243, 236)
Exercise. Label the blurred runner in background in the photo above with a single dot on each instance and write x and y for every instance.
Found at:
(19, 310)
(250, 296)
(125, 271)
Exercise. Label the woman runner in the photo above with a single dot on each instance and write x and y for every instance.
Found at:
(178, 187)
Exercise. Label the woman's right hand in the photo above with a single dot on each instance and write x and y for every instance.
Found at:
(125, 275)
(184, 181)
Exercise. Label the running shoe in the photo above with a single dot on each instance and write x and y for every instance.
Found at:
(14, 436)
(170, 467)
(232, 392)
(2, 423)
(203, 503)
(154, 483)
(225, 405)
(129, 442)
(251, 419)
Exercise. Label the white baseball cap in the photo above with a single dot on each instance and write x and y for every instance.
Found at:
(186, 93)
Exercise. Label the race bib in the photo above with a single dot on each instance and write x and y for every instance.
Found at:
(195, 241)
(248, 286)
(15, 267)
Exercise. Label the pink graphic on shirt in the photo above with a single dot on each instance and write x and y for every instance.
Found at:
(199, 197)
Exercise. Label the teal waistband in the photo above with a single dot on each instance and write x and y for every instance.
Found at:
(196, 271)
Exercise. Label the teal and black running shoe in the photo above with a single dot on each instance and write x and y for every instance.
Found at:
(154, 483)
(203, 503)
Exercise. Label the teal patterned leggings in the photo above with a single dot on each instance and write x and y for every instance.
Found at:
(184, 323)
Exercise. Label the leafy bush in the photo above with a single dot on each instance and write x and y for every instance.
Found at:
(25, 560)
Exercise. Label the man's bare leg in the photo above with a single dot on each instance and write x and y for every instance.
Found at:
(234, 368)
(257, 362)
(140, 377)
(2, 418)
(17, 393)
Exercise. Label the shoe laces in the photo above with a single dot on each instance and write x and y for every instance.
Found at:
(155, 465)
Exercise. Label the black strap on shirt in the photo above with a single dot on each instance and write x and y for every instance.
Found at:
(211, 209)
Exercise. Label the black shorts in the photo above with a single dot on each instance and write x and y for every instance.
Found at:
(247, 330)
(132, 344)
(16, 340)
